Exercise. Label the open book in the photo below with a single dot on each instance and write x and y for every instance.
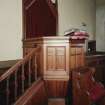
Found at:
(75, 33)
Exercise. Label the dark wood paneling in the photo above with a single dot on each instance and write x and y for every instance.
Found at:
(56, 88)
(39, 19)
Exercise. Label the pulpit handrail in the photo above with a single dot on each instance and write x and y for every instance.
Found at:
(16, 80)
(17, 65)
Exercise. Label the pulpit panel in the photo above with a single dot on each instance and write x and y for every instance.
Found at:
(55, 60)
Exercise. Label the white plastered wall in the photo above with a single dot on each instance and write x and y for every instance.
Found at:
(10, 29)
(72, 13)
(100, 26)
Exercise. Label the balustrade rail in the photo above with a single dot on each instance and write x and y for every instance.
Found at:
(18, 78)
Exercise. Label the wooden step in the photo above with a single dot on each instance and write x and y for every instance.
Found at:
(56, 102)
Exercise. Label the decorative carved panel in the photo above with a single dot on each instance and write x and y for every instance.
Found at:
(56, 61)
(51, 58)
(56, 58)
(60, 58)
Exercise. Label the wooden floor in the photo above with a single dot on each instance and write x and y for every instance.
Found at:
(56, 102)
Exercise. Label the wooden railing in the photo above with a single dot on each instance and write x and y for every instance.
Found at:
(35, 95)
(18, 78)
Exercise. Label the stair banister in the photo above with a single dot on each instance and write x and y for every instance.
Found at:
(18, 78)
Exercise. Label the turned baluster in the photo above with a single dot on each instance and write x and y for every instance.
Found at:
(35, 68)
(16, 85)
(23, 78)
(29, 74)
(7, 91)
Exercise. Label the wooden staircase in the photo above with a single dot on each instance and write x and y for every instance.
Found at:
(22, 84)
(35, 95)
(20, 77)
